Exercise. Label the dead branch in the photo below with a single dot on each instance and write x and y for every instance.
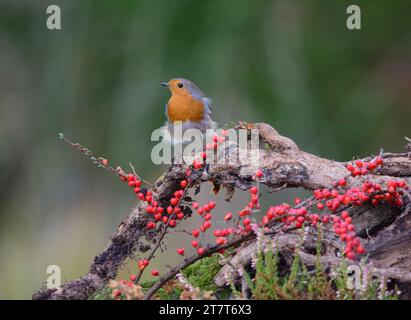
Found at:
(283, 164)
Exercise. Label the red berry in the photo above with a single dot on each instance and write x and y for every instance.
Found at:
(195, 233)
(151, 225)
(143, 263)
(200, 251)
(116, 293)
(350, 167)
(372, 165)
(246, 221)
(356, 172)
(154, 272)
(133, 277)
(194, 243)
(359, 163)
(342, 182)
(253, 190)
(325, 219)
(244, 212)
(180, 251)
(183, 183)
(320, 206)
(197, 165)
(220, 241)
(131, 177)
(195, 205)
(217, 233)
(259, 174)
(228, 216)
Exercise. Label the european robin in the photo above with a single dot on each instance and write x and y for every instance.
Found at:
(187, 107)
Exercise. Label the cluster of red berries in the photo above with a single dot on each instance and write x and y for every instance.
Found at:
(142, 264)
(169, 215)
(221, 235)
(328, 207)
(336, 199)
(344, 228)
(360, 168)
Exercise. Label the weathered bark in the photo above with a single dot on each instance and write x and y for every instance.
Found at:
(284, 165)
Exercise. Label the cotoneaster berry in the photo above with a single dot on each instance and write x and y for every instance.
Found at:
(155, 272)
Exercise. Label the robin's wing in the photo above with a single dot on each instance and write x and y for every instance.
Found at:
(208, 103)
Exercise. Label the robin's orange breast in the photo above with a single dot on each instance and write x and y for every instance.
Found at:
(185, 108)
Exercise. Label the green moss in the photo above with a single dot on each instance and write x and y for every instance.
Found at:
(103, 294)
(201, 274)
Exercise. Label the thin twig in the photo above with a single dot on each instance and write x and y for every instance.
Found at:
(140, 178)
(99, 161)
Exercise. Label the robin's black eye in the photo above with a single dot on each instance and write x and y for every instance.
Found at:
(180, 85)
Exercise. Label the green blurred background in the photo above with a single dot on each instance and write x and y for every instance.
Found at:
(293, 64)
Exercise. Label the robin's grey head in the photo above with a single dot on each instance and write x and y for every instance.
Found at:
(181, 86)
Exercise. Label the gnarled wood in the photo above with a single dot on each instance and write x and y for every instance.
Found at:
(283, 164)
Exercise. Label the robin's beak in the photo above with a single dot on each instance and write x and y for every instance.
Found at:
(165, 84)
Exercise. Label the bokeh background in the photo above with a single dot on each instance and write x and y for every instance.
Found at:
(293, 64)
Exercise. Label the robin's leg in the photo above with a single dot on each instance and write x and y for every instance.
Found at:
(207, 164)
(206, 168)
